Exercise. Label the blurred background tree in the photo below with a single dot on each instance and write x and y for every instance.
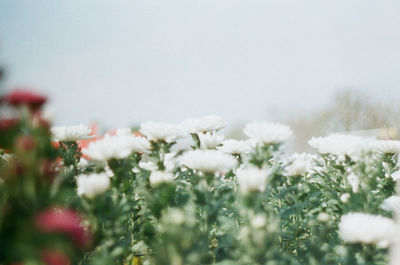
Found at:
(350, 111)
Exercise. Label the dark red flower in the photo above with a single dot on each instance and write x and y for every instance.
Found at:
(62, 220)
(8, 123)
(53, 257)
(24, 97)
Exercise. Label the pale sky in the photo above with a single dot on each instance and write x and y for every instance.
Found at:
(122, 62)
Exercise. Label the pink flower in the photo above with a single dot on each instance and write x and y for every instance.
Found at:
(62, 220)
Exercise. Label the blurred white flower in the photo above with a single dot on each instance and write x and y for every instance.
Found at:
(208, 160)
(182, 144)
(251, 178)
(157, 177)
(123, 132)
(7, 157)
(367, 228)
(210, 140)
(396, 175)
(170, 161)
(323, 217)
(148, 165)
(205, 124)
(345, 197)
(394, 252)
(47, 114)
(340, 145)
(386, 146)
(108, 170)
(392, 204)
(117, 147)
(258, 221)
(92, 185)
(174, 216)
(70, 133)
(155, 131)
(354, 182)
(268, 132)
(236, 147)
(299, 164)
(83, 163)
(341, 251)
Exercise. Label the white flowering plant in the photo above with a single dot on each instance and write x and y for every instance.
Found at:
(145, 199)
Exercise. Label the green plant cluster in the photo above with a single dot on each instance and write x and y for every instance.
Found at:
(198, 218)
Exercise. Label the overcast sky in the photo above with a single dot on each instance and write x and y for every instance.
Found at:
(122, 62)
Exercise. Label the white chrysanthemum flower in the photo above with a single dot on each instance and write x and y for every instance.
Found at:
(340, 145)
(354, 182)
(208, 160)
(251, 178)
(205, 124)
(70, 133)
(92, 185)
(299, 164)
(392, 204)
(367, 228)
(155, 131)
(386, 146)
(157, 177)
(116, 147)
(268, 132)
(210, 140)
(236, 147)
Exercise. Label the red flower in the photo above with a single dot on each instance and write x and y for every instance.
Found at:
(7, 124)
(24, 97)
(53, 257)
(62, 220)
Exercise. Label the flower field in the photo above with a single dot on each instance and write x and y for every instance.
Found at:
(182, 194)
